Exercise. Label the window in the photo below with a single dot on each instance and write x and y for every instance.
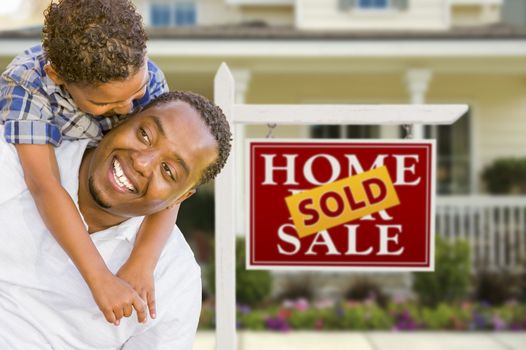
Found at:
(160, 15)
(173, 13)
(185, 14)
(373, 4)
(453, 151)
(345, 131)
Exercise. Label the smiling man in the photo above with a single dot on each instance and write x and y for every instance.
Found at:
(152, 161)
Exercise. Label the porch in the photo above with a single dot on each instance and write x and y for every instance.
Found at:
(494, 227)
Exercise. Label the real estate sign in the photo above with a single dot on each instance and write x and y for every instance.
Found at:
(356, 205)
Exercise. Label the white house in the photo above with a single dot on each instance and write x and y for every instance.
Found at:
(366, 51)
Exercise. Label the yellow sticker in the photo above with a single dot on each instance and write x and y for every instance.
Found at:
(341, 201)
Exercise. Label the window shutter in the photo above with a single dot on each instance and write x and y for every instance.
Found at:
(400, 4)
(345, 5)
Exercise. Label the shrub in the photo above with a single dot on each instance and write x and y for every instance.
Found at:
(497, 287)
(297, 287)
(252, 287)
(365, 289)
(506, 175)
(197, 213)
(449, 282)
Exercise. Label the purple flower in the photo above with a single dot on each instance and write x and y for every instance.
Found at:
(404, 321)
(340, 312)
(479, 321)
(244, 309)
(277, 324)
(498, 323)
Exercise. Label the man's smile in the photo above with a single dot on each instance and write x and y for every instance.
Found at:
(120, 180)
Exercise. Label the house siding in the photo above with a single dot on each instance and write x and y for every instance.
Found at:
(326, 14)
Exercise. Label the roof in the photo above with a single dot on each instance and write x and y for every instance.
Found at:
(260, 31)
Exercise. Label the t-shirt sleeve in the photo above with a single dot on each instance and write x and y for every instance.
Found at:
(156, 86)
(176, 327)
(27, 116)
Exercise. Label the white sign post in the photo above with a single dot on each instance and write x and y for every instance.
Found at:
(225, 183)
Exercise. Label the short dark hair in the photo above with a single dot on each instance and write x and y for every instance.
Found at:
(94, 41)
(217, 123)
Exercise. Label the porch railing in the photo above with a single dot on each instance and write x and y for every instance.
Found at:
(494, 226)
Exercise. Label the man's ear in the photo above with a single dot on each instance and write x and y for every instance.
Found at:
(183, 197)
(52, 74)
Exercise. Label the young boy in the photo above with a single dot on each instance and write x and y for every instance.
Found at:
(90, 72)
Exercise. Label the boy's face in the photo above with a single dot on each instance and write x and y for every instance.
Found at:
(111, 98)
(152, 160)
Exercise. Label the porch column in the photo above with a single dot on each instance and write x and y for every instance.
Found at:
(242, 81)
(417, 82)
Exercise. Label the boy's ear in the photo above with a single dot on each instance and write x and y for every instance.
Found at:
(183, 197)
(52, 74)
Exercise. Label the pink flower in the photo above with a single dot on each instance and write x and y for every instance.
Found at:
(301, 304)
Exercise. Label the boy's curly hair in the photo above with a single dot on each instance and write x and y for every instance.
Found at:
(94, 41)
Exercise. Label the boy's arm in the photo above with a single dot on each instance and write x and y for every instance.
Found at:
(63, 220)
(151, 239)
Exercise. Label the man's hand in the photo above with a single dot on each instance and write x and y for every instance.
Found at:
(140, 277)
(116, 298)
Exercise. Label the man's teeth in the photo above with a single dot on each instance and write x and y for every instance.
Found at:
(120, 178)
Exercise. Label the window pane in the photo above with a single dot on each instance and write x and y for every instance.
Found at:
(380, 3)
(160, 15)
(185, 14)
(325, 132)
(362, 131)
(365, 3)
(453, 150)
(373, 4)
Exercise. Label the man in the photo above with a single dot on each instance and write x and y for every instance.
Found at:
(149, 163)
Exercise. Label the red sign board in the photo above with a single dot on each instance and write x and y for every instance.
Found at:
(369, 204)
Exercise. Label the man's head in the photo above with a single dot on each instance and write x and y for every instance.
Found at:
(159, 156)
(96, 49)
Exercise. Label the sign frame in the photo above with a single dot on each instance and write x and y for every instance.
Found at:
(431, 224)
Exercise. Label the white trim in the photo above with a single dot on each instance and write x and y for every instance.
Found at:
(261, 2)
(476, 2)
(315, 48)
(347, 114)
(225, 222)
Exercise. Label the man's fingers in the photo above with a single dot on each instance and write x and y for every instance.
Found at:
(151, 303)
(140, 306)
(127, 311)
(118, 316)
(110, 317)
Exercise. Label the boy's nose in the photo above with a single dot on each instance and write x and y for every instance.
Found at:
(123, 108)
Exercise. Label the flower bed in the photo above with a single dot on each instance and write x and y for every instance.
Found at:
(404, 316)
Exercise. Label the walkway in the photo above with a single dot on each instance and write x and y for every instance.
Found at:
(250, 340)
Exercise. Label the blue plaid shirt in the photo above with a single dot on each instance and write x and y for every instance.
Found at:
(35, 110)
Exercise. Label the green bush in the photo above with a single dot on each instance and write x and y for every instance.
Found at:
(505, 176)
(449, 282)
(252, 287)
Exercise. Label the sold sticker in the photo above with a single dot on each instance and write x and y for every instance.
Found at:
(342, 201)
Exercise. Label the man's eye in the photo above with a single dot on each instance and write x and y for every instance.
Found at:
(168, 171)
(144, 136)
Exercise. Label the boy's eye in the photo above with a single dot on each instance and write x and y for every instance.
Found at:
(144, 136)
(168, 171)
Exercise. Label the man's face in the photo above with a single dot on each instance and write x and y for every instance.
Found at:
(111, 98)
(151, 161)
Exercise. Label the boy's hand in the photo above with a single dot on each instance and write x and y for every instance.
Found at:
(140, 277)
(116, 298)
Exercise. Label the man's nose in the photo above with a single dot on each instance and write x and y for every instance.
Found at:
(145, 161)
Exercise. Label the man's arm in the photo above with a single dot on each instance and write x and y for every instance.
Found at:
(151, 239)
(179, 298)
